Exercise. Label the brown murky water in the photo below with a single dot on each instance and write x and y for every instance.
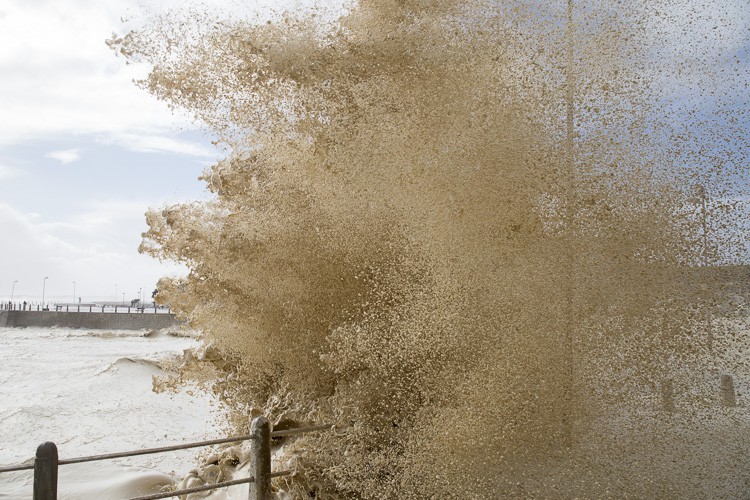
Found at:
(493, 238)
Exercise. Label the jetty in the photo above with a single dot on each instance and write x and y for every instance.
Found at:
(99, 318)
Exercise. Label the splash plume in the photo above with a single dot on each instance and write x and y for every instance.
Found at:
(468, 231)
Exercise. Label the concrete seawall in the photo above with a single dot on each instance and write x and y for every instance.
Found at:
(93, 320)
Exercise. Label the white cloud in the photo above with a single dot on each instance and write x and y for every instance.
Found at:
(60, 80)
(101, 225)
(7, 172)
(65, 156)
(59, 77)
(89, 249)
(144, 143)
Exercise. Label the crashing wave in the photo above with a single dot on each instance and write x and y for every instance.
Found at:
(479, 234)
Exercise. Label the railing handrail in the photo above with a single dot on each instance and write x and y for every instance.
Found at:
(209, 487)
(84, 308)
(162, 449)
(195, 489)
(260, 431)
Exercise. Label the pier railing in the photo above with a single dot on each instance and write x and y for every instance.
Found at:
(46, 463)
(88, 308)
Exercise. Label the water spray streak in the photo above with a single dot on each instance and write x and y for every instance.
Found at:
(493, 238)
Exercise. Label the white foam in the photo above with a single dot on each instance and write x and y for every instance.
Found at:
(91, 394)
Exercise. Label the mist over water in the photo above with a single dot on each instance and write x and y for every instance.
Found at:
(485, 236)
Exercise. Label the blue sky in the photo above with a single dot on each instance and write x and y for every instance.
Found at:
(83, 154)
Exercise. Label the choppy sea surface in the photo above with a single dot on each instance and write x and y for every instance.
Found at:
(90, 392)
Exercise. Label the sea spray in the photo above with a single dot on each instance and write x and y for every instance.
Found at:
(468, 232)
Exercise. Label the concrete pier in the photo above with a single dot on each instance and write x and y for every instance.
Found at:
(92, 320)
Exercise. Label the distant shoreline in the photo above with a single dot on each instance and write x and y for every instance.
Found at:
(92, 320)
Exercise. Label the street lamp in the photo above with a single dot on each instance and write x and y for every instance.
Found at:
(702, 193)
(12, 289)
(115, 293)
(123, 298)
(74, 292)
(44, 285)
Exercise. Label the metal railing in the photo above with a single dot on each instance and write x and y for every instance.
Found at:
(46, 463)
(88, 308)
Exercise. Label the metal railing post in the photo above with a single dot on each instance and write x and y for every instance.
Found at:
(46, 464)
(45, 472)
(260, 489)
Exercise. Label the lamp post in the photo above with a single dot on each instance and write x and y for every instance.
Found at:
(44, 286)
(74, 292)
(115, 293)
(12, 289)
(123, 298)
(702, 193)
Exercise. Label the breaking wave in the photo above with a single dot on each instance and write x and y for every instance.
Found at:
(485, 236)
(134, 363)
